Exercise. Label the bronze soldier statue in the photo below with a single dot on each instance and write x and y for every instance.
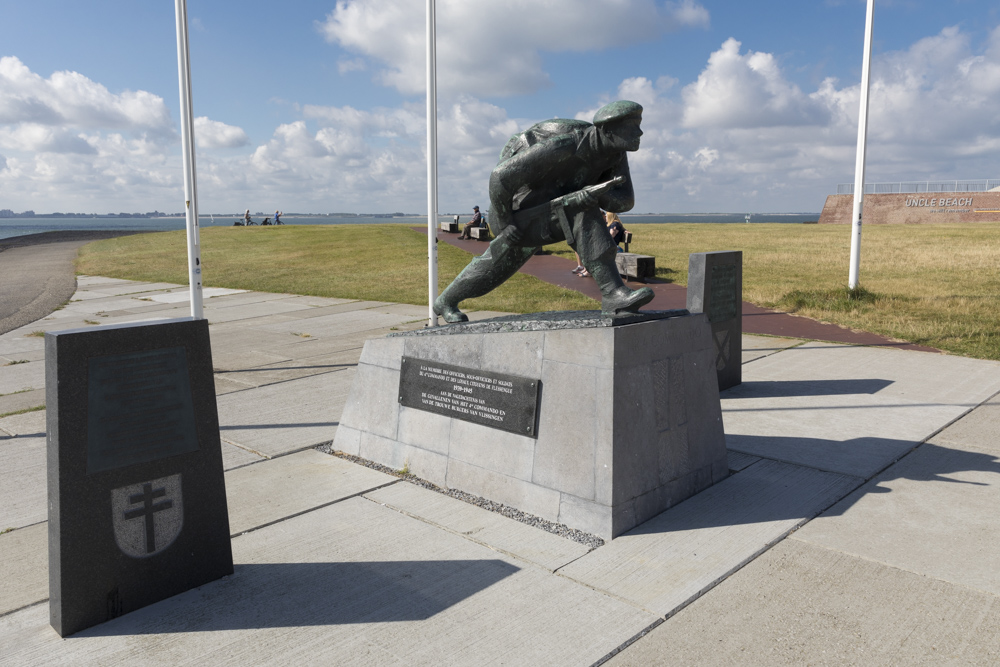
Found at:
(550, 185)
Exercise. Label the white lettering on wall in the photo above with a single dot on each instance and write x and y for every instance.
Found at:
(940, 201)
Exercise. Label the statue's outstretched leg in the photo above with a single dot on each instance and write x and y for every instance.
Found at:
(483, 275)
(593, 243)
(616, 298)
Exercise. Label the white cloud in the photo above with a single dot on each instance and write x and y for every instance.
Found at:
(71, 99)
(741, 137)
(215, 134)
(738, 90)
(489, 47)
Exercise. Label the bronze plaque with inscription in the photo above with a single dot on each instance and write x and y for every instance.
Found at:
(498, 400)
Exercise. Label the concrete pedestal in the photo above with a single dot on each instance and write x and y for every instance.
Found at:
(628, 422)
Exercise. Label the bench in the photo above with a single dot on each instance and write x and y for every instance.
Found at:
(628, 239)
(480, 233)
(634, 265)
(450, 227)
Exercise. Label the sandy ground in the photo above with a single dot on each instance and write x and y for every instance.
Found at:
(36, 273)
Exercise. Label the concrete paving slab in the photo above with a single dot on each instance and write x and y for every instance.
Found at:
(924, 514)
(133, 287)
(335, 308)
(232, 338)
(480, 525)
(739, 461)
(340, 323)
(28, 424)
(23, 491)
(237, 457)
(285, 417)
(185, 295)
(27, 355)
(912, 376)
(305, 348)
(261, 494)
(980, 429)
(352, 583)
(288, 369)
(228, 386)
(23, 400)
(758, 347)
(13, 344)
(673, 558)
(226, 358)
(850, 410)
(250, 297)
(314, 301)
(799, 604)
(107, 304)
(25, 557)
(252, 311)
(18, 377)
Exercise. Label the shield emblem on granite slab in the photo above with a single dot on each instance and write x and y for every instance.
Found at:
(147, 516)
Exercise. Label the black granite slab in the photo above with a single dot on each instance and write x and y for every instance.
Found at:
(715, 287)
(557, 319)
(137, 497)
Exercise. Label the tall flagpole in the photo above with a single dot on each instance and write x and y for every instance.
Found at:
(859, 165)
(187, 150)
(432, 176)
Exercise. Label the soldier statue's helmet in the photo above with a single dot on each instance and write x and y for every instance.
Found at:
(620, 110)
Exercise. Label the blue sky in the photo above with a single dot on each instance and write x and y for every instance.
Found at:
(319, 106)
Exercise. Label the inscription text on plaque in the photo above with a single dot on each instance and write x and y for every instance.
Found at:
(498, 400)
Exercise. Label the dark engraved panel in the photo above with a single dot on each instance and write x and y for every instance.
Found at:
(723, 301)
(497, 400)
(139, 408)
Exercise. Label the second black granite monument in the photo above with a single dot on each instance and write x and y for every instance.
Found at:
(715, 287)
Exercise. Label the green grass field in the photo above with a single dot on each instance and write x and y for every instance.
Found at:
(372, 262)
(936, 285)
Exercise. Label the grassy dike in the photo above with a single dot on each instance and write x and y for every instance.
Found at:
(370, 262)
(936, 285)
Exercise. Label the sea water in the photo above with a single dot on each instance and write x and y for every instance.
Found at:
(21, 226)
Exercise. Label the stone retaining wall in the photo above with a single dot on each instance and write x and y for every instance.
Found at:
(920, 208)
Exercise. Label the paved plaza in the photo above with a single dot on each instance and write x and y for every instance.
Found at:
(859, 525)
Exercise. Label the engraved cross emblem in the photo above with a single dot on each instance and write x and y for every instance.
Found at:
(722, 347)
(148, 516)
(148, 510)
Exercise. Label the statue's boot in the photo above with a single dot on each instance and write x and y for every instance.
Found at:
(482, 275)
(616, 298)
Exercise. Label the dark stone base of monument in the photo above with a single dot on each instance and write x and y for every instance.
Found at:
(450, 227)
(632, 265)
(137, 497)
(595, 422)
(715, 287)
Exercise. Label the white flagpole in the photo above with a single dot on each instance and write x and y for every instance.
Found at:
(859, 165)
(432, 176)
(187, 150)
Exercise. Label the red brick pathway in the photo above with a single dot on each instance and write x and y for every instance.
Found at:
(756, 320)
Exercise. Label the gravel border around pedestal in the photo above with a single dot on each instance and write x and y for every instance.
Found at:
(587, 539)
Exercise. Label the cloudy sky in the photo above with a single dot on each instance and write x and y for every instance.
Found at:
(318, 106)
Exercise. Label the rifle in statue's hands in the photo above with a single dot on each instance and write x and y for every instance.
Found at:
(535, 226)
